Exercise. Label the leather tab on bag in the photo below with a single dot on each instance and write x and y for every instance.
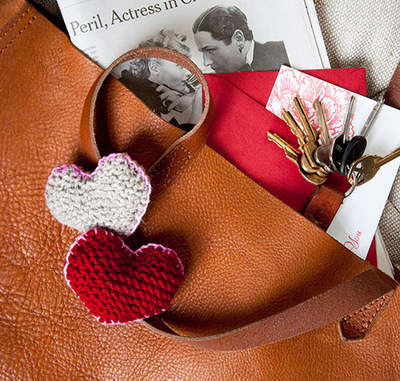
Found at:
(356, 325)
(323, 206)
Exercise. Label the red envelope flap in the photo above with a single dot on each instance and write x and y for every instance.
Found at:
(241, 123)
(258, 85)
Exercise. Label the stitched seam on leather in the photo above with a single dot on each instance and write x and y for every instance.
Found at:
(363, 328)
(384, 301)
(166, 169)
(366, 324)
(23, 14)
(19, 33)
(169, 179)
(366, 307)
(173, 162)
(183, 162)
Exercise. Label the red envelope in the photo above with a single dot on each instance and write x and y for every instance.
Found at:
(240, 127)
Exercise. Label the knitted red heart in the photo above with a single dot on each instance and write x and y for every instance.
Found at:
(119, 285)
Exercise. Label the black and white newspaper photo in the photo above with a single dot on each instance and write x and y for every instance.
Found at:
(233, 36)
(166, 88)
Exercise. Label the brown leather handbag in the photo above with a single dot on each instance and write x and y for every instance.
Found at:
(267, 294)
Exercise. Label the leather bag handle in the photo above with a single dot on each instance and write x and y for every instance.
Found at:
(365, 289)
(362, 290)
(164, 169)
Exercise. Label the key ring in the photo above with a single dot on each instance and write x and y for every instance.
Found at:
(353, 186)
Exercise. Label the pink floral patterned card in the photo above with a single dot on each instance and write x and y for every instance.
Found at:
(357, 219)
(291, 83)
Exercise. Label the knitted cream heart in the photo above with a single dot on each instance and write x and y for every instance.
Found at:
(119, 285)
(115, 196)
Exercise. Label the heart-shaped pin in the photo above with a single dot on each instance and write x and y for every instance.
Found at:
(119, 285)
(115, 196)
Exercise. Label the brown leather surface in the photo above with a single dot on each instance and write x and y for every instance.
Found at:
(392, 95)
(8, 9)
(355, 326)
(340, 302)
(304, 317)
(323, 206)
(232, 273)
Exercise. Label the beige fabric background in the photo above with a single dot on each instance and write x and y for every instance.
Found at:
(366, 33)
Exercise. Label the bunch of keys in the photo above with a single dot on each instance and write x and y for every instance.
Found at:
(321, 155)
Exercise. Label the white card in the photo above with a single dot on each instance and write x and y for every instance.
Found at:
(357, 219)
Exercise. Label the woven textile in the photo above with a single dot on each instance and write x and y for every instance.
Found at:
(390, 223)
(366, 33)
(362, 33)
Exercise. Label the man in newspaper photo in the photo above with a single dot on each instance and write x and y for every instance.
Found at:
(226, 41)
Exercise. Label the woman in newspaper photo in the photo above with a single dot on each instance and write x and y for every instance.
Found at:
(165, 87)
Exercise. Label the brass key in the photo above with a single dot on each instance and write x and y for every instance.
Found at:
(294, 127)
(367, 166)
(293, 155)
(306, 162)
(311, 135)
(309, 130)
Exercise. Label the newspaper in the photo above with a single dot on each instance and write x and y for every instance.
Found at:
(233, 36)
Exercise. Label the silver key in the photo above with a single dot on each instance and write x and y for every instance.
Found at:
(339, 143)
(367, 166)
(371, 118)
(354, 184)
(347, 119)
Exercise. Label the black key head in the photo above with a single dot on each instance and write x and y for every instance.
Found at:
(353, 151)
(338, 148)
